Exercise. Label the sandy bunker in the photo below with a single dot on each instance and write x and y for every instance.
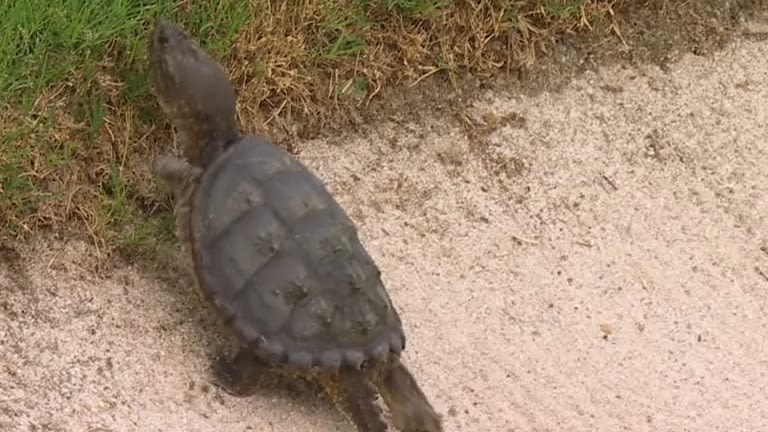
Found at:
(614, 281)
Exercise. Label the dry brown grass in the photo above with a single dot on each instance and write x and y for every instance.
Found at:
(283, 66)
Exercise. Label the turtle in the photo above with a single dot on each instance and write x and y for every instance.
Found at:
(276, 253)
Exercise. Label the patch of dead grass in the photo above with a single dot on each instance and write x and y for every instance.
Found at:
(283, 67)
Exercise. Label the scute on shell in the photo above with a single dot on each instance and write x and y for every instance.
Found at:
(284, 262)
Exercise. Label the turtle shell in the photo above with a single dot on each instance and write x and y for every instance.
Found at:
(283, 262)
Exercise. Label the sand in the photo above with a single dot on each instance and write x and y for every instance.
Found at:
(603, 272)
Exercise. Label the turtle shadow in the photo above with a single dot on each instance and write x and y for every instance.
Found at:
(12, 262)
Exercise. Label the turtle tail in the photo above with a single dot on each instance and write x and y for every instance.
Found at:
(408, 406)
(358, 398)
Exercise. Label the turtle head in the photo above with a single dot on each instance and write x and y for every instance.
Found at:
(193, 91)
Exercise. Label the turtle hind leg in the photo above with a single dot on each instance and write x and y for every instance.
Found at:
(237, 375)
(355, 395)
(409, 408)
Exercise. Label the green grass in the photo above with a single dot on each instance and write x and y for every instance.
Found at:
(416, 8)
(67, 46)
(17, 188)
(564, 10)
(80, 127)
(44, 42)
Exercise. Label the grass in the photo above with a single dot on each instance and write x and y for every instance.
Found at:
(80, 126)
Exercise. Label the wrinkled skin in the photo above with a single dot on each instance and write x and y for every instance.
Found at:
(195, 94)
(182, 178)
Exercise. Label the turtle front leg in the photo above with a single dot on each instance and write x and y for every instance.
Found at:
(182, 177)
(176, 172)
